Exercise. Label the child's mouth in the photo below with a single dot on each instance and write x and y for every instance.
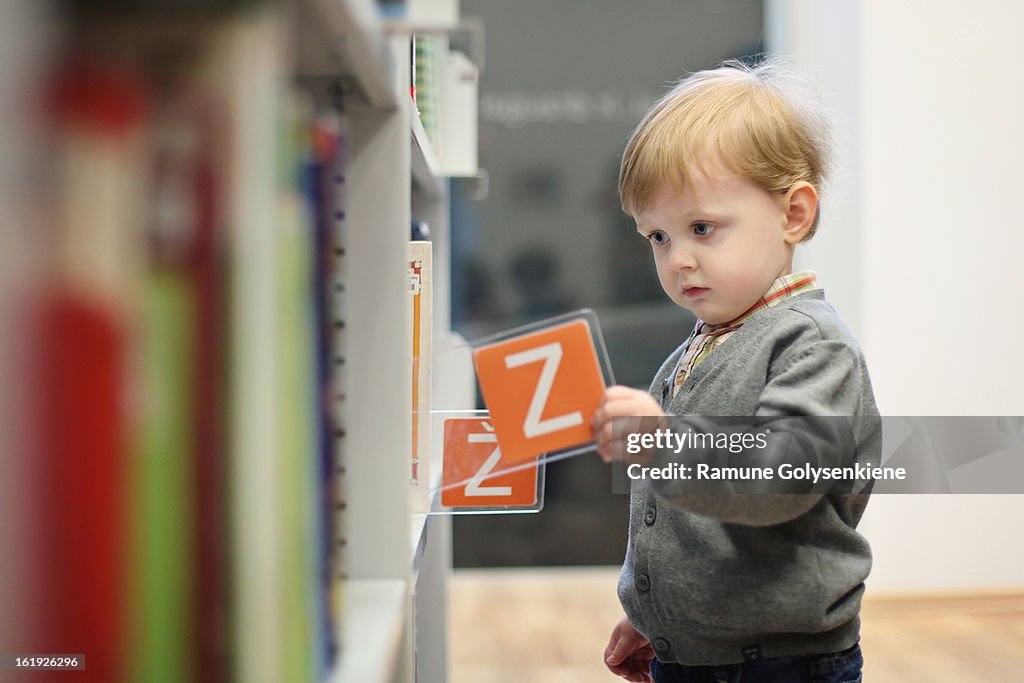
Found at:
(692, 292)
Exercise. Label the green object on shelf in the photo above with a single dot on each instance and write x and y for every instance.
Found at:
(163, 495)
(295, 388)
(427, 95)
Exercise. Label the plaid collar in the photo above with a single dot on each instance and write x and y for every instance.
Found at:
(783, 288)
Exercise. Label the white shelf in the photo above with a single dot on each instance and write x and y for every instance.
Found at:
(372, 630)
(394, 610)
(420, 526)
(425, 168)
(417, 536)
(352, 47)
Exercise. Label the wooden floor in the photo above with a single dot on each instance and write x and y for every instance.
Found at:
(551, 626)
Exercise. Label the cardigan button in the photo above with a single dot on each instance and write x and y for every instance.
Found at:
(650, 515)
(643, 583)
(660, 645)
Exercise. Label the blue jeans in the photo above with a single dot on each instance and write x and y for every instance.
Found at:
(837, 667)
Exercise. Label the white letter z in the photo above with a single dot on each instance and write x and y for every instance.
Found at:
(551, 354)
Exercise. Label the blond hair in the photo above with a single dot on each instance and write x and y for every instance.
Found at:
(763, 123)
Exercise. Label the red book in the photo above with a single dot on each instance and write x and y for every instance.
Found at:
(210, 520)
(82, 358)
(83, 458)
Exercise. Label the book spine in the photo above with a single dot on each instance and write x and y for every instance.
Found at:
(325, 192)
(86, 358)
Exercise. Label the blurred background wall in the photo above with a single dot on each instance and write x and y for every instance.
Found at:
(921, 245)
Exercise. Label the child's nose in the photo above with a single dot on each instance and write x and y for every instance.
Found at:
(682, 258)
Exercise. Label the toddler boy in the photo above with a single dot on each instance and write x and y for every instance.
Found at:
(722, 177)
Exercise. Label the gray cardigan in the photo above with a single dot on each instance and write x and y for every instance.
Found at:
(720, 579)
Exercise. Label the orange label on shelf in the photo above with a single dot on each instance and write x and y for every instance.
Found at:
(541, 389)
(472, 455)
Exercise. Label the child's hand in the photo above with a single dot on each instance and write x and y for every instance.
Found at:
(629, 654)
(620, 401)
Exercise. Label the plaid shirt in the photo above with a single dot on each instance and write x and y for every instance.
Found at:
(706, 338)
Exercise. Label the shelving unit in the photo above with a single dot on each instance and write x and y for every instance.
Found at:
(396, 562)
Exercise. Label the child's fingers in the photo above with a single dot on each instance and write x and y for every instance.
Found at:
(640, 405)
(622, 643)
(640, 669)
(605, 443)
(627, 670)
(602, 428)
(632, 670)
(610, 442)
(619, 669)
(621, 402)
(620, 391)
(628, 654)
(612, 653)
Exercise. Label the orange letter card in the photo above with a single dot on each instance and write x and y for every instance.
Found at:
(541, 389)
(471, 454)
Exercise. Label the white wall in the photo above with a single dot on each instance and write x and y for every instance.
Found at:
(925, 260)
(823, 42)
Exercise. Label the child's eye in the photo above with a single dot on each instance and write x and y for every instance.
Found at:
(703, 229)
(658, 238)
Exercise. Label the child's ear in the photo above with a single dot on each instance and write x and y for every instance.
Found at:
(801, 205)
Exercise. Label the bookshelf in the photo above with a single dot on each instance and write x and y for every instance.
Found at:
(234, 138)
(395, 589)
